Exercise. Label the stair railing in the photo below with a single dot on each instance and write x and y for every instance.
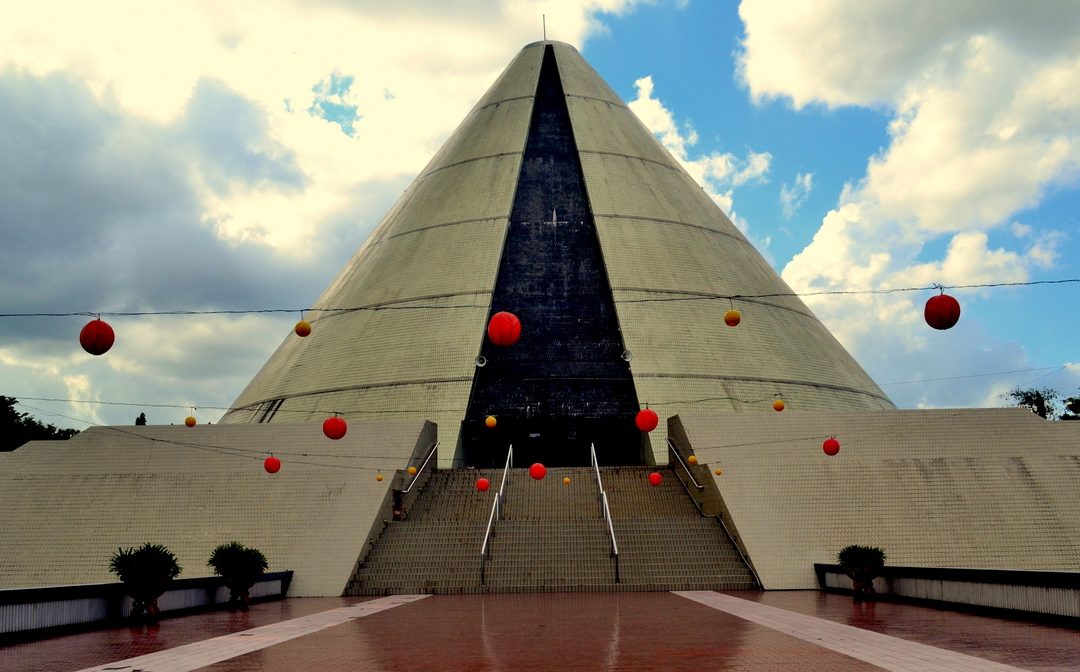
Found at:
(496, 513)
(416, 477)
(719, 517)
(605, 510)
(671, 449)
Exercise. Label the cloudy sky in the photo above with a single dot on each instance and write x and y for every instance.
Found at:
(232, 156)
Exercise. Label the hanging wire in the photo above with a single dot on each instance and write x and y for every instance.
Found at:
(436, 306)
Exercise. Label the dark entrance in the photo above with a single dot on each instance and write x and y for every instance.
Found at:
(565, 384)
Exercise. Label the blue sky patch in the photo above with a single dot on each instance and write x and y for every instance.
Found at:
(330, 103)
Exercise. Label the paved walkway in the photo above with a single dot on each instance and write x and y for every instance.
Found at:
(695, 630)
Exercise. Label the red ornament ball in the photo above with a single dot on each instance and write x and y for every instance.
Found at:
(190, 421)
(779, 405)
(831, 446)
(97, 337)
(646, 420)
(482, 484)
(942, 311)
(504, 329)
(537, 471)
(334, 427)
(272, 465)
(732, 318)
(655, 478)
(303, 328)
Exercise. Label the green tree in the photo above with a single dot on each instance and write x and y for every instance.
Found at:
(1043, 402)
(1072, 409)
(17, 428)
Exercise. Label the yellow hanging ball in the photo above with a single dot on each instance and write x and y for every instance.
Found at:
(778, 405)
(189, 421)
(378, 477)
(566, 480)
(692, 459)
(732, 318)
(302, 328)
(719, 472)
(411, 470)
(490, 421)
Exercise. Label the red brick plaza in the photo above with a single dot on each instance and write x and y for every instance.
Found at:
(698, 630)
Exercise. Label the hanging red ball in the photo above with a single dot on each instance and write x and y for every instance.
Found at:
(831, 446)
(504, 328)
(779, 405)
(190, 421)
(942, 311)
(646, 420)
(97, 337)
(272, 465)
(482, 484)
(334, 427)
(303, 328)
(732, 318)
(537, 471)
(655, 478)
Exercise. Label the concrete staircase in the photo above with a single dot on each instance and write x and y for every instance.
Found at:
(552, 538)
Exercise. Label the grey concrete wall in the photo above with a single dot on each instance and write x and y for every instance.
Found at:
(991, 488)
(68, 505)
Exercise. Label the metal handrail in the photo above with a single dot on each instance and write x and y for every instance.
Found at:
(671, 447)
(605, 509)
(496, 513)
(718, 516)
(423, 466)
(611, 531)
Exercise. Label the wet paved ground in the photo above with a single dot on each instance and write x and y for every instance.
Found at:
(569, 631)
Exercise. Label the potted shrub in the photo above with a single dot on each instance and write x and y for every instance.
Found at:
(241, 566)
(146, 572)
(863, 564)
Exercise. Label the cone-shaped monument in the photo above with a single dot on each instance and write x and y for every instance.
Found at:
(554, 202)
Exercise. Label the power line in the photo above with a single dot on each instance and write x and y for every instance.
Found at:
(431, 411)
(436, 306)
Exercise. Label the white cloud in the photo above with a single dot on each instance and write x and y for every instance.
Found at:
(985, 98)
(168, 156)
(793, 197)
(717, 172)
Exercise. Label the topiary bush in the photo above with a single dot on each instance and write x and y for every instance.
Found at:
(146, 573)
(241, 566)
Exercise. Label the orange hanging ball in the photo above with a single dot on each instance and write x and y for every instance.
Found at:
(271, 465)
(490, 421)
(778, 405)
(692, 459)
(189, 421)
(97, 337)
(504, 329)
(411, 470)
(732, 318)
(302, 328)
(334, 427)
(566, 480)
(378, 477)
(719, 472)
